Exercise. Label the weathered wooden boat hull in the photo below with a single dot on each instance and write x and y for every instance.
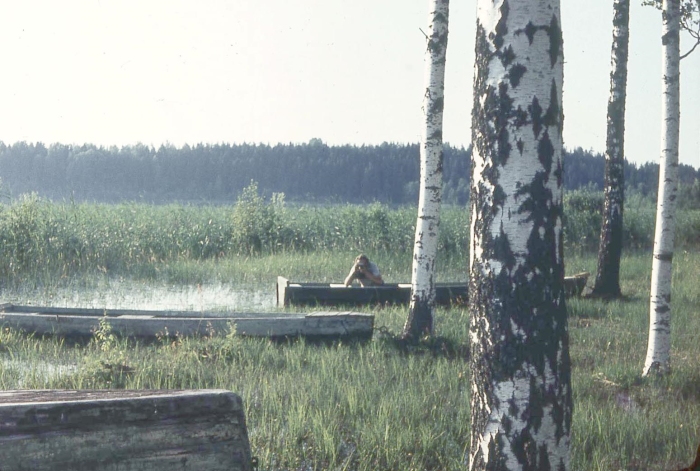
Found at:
(335, 294)
(46, 430)
(331, 294)
(134, 323)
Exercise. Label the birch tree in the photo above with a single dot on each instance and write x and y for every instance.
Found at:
(607, 282)
(658, 359)
(420, 314)
(689, 21)
(520, 369)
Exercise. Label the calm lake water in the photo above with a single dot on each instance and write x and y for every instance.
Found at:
(124, 294)
(121, 294)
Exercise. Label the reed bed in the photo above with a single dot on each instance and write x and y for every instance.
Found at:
(43, 242)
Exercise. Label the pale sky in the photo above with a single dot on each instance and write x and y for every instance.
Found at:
(118, 72)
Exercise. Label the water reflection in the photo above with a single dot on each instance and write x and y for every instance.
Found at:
(124, 294)
(27, 373)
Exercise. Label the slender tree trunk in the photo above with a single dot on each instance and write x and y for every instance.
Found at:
(420, 314)
(607, 282)
(520, 369)
(658, 360)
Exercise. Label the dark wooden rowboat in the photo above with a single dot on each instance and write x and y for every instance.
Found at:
(335, 294)
(332, 294)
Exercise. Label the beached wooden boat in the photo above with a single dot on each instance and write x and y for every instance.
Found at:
(126, 430)
(84, 322)
(334, 294)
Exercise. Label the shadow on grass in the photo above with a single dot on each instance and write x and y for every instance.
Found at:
(622, 298)
(435, 346)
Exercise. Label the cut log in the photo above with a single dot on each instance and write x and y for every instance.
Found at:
(44, 430)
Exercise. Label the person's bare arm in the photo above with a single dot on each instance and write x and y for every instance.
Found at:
(376, 279)
(351, 276)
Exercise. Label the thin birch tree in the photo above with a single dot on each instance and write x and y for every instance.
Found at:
(520, 368)
(421, 309)
(658, 359)
(607, 282)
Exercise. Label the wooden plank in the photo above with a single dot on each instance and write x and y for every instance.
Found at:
(281, 290)
(123, 430)
(328, 324)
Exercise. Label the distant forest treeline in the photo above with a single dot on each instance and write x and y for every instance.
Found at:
(311, 172)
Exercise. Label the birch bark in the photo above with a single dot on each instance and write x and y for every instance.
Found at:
(520, 369)
(658, 359)
(607, 282)
(421, 309)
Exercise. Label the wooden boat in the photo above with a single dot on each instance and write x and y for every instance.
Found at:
(126, 430)
(333, 294)
(84, 322)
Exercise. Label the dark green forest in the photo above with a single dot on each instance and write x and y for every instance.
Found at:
(310, 172)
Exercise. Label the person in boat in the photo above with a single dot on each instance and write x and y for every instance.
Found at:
(364, 271)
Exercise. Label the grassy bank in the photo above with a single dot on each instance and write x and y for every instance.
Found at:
(376, 406)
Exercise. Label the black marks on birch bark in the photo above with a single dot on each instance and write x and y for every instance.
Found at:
(545, 153)
(559, 172)
(664, 257)
(671, 36)
(527, 452)
(499, 199)
(556, 41)
(554, 115)
(555, 37)
(437, 105)
(663, 309)
(500, 115)
(507, 57)
(501, 28)
(502, 250)
(536, 115)
(530, 31)
(515, 73)
(520, 118)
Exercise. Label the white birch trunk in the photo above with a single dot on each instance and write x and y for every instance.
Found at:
(607, 282)
(520, 369)
(420, 318)
(658, 360)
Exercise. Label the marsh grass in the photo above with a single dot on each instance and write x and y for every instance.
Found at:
(380, 405)
(360, 406)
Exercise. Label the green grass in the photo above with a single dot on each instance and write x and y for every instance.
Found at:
(377, 406)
